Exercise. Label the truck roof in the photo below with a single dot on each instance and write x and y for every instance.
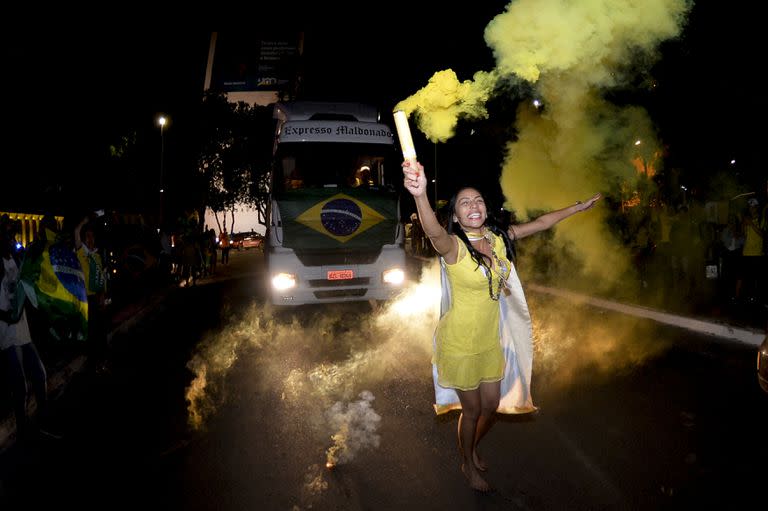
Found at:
(319, 110)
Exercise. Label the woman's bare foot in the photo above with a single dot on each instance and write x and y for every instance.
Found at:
(479, 463)
(476, 482)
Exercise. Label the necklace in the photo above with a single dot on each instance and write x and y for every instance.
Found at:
(501, 266)
(475, 236)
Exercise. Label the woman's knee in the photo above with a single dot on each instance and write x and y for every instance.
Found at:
(490, 395)
(471, 405)
(489, 407)
(471, 409)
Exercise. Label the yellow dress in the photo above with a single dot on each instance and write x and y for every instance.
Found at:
(467, 348)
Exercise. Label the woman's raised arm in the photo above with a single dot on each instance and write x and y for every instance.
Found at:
(416, 183)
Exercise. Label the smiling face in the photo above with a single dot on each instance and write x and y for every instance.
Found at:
(469, 211)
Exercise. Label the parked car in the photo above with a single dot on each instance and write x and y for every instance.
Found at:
(253, 241)
(236, 240)
(246, 240)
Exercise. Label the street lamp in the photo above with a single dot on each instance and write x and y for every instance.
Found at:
(161, 121)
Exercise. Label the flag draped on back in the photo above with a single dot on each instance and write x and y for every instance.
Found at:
(53, 281)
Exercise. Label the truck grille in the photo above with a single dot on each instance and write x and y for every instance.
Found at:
(360, 281)
(320, 258)
(340, 293)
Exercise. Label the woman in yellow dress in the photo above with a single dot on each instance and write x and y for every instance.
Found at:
(482, 347)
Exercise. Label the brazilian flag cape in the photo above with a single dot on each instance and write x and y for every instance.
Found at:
(332, 218)
(53, 281)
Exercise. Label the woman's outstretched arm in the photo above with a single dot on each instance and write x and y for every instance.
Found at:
(548, 220)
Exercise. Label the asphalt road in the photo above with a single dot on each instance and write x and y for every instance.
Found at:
(217, 402)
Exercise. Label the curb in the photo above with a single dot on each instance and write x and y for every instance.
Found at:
(753, 337)
(58, 380)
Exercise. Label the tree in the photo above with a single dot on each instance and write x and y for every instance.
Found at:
(235, 156)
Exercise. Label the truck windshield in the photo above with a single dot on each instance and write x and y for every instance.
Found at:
(311, 165)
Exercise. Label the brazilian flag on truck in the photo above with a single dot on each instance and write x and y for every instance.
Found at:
(53, 281)
(319, 218)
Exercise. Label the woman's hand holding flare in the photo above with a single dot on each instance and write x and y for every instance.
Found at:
(415, 181)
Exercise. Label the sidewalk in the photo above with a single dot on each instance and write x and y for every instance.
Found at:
(705, 325)
(745, 324)
(61, 369)
(123, 314)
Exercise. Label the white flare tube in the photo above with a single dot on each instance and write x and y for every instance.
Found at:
(404, 134)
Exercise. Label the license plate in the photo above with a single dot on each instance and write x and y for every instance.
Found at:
(341, 275)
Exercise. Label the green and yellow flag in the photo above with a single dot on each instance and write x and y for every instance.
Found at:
(333, 218)
(54, 282)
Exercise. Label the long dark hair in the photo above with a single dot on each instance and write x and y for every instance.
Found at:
(493, 222)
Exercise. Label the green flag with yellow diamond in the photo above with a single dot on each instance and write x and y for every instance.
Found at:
(52, 279)
(338, 218)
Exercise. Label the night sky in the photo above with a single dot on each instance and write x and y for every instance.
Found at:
(70, 93)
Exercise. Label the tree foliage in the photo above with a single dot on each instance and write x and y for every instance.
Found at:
(235, 155)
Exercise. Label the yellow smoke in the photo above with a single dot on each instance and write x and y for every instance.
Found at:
(588, 40)
(444, 99)
(570, 345)
(309, 370)
(215, 357)
(580, 143)
(577, 143)
(319, 366)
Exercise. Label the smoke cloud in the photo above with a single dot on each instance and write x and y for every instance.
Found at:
(580, 143)
(315, 373)
(588, 40)
(440, 104)
(355, 425)
(572, 143)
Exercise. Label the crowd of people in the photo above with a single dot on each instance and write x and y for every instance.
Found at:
(715, 258)
(56, 294)
(52, 297)
(684, 256)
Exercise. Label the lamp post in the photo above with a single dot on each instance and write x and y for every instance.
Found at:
(161, 121)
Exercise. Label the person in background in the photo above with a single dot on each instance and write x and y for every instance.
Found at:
(225, 244)
(24, 367)
(417, 235)
(732, 243)
(11, 230)
(191, 259)
(681, 239)
(96, 290)
(484, 314)
(750, 283)
(764, 223)
(166, 254)
(205, 253)
(210, 240)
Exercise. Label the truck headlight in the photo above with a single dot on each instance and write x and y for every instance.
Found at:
(283, 281)
(394, 276)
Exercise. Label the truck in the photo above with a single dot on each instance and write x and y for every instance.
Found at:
(334, 231)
